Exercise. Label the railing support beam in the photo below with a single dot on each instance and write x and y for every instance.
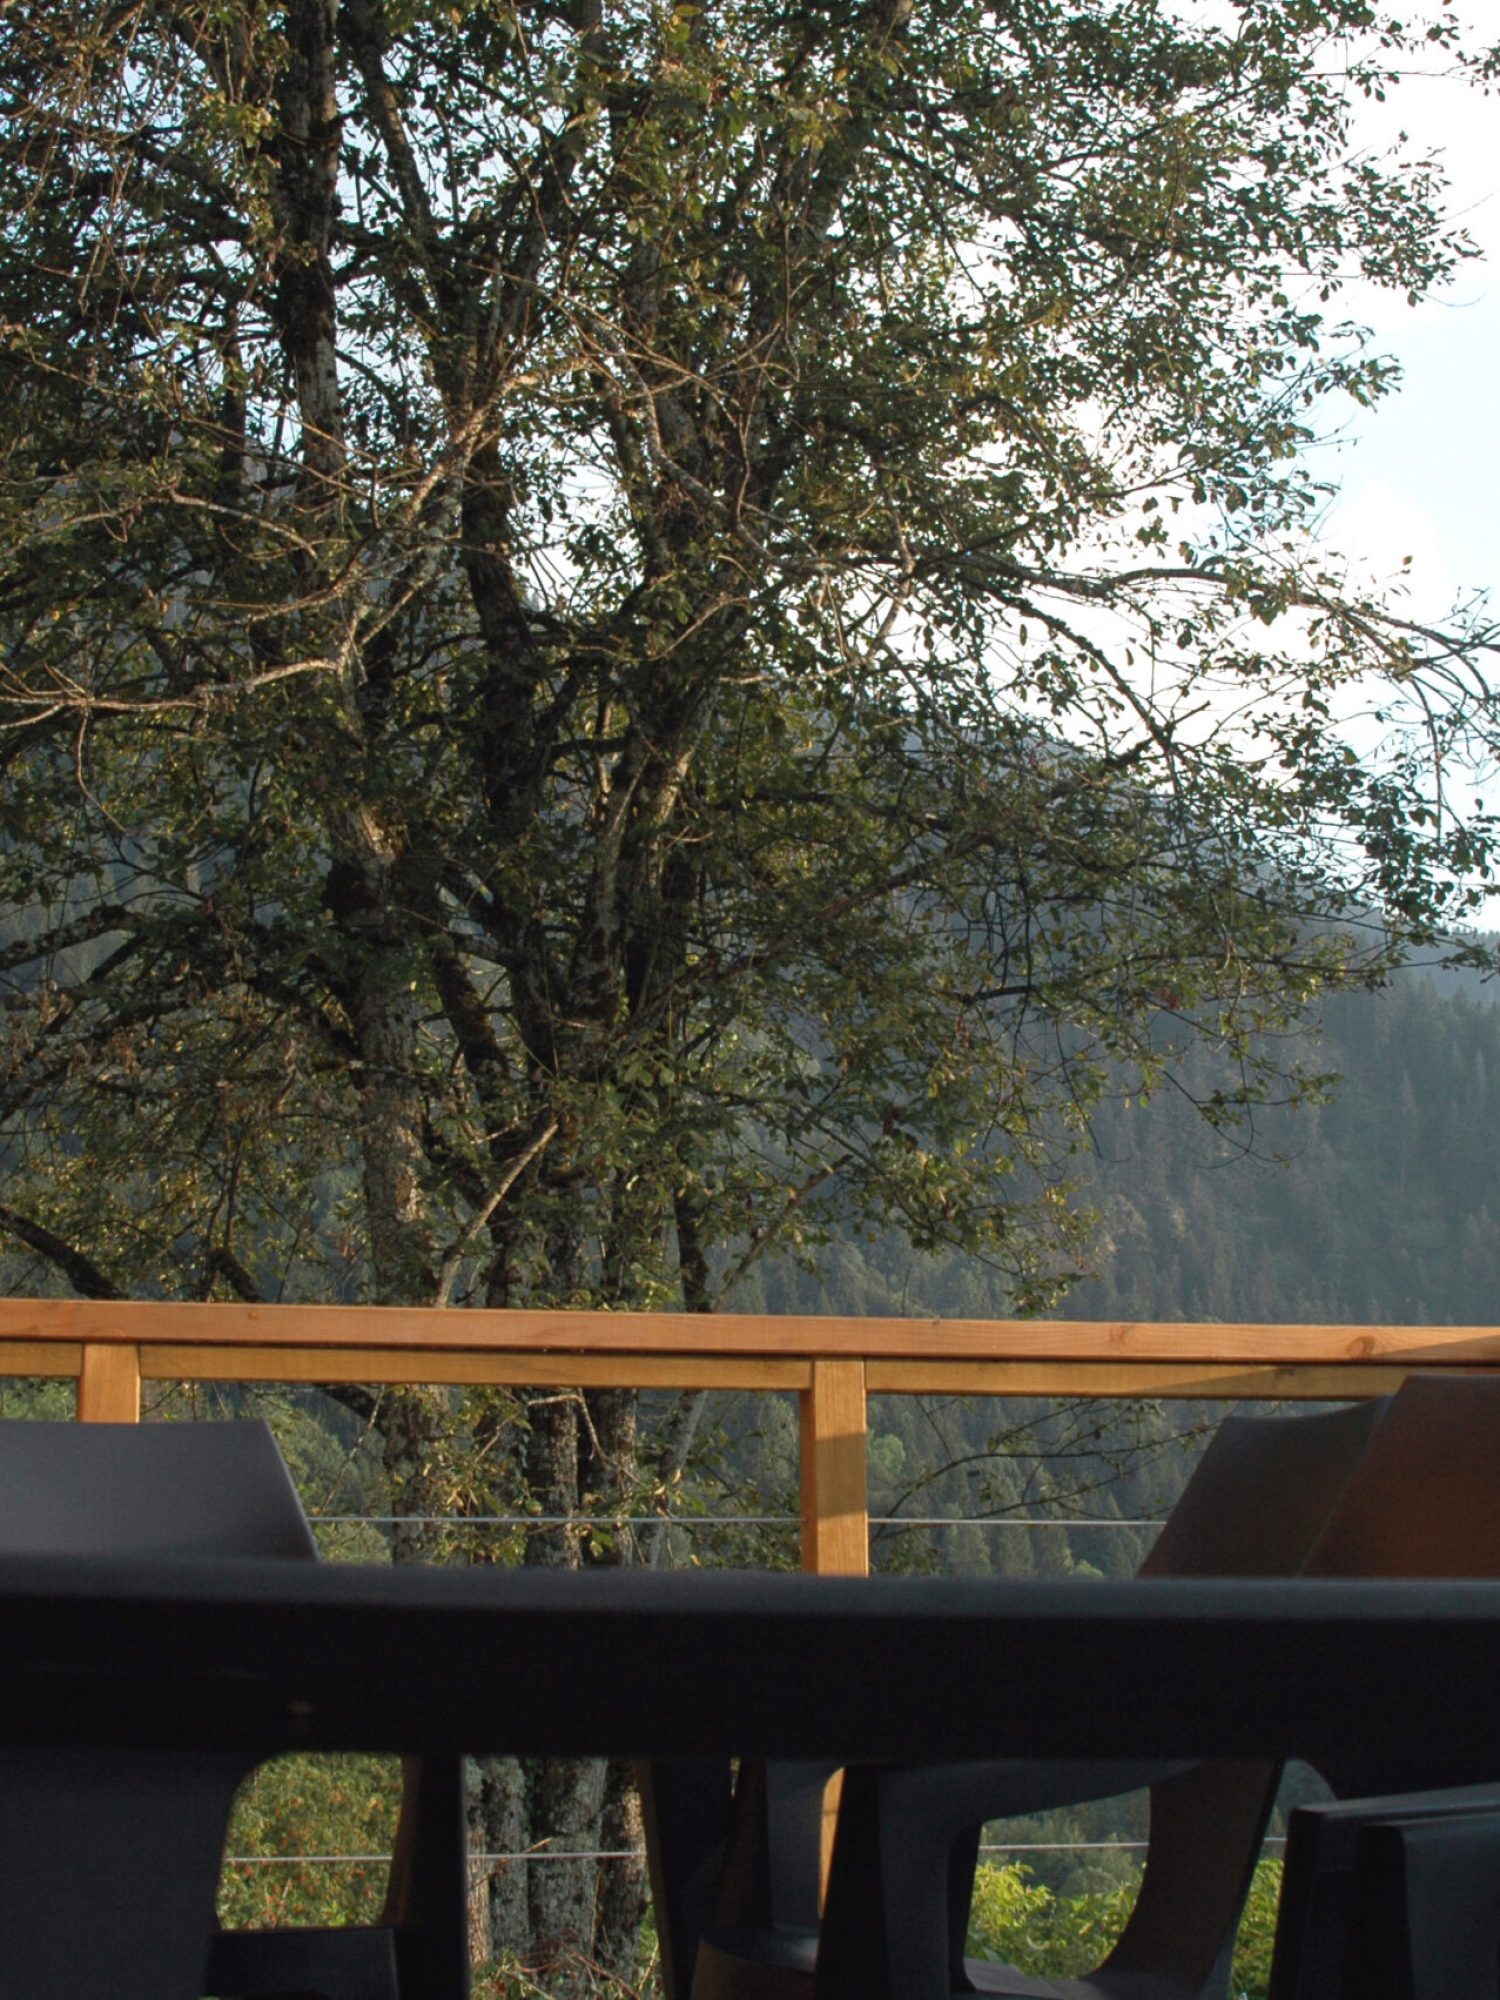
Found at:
(835, 1494)
(109, 1384)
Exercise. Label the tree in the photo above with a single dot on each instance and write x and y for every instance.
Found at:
(633, 634)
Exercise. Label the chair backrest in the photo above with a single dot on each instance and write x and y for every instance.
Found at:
(1425, 1498)
(109, 1860)
(1262, 1493)
(1320, 1915)
(1256, 1505)
(211, 1489)
(1422, 1502)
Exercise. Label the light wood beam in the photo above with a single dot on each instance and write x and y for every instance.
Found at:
(835, 1494)
(109, 1385)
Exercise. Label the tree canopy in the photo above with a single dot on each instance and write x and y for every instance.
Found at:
(632, 632)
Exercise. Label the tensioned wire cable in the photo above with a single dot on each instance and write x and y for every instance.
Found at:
(718, 1521)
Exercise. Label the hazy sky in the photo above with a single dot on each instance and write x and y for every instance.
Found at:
(1421, 474)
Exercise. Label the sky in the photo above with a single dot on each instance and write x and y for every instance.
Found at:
(1420, 475)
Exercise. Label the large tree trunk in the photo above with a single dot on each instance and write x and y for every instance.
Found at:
(567, 1920)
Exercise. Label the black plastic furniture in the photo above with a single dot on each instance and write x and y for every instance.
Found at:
(145, 1831)
(1421, 1501)
(685, 1815)
(908, 1838)
(1398, 1898)
(908, 1841)
(1429, 1903)
(259, 1657)
(1394, 1898)
(161, 1657)
(750, 1923)
(1415, 1498)
(1424, 1501)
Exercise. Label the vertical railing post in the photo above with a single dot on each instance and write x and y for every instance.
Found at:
(109, 1386)
(835, 1503)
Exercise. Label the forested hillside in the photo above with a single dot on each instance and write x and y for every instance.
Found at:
(1379, 1204)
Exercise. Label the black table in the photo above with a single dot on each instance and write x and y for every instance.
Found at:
(121, 1683)
(271, 1656)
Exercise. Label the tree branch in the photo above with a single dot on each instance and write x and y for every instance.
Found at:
(81, 1271)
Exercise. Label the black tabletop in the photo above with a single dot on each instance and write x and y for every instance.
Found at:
(269, 1655)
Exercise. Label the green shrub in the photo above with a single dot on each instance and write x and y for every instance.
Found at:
(1252, 1955)
(1018, 1920)
(311, 1806)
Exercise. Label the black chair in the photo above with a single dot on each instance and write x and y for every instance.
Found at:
(1394, 1898)
(907, 1845)
(904, 1860)
(109, 1862)
(1398, 1894)
(736, 1875)
(1424, 1501)
(1414, 1496)
(685, 1817)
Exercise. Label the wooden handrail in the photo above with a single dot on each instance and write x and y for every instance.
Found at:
(109, 1347)
(804, 1335)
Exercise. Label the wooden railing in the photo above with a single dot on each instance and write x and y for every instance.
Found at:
(110, 1347)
